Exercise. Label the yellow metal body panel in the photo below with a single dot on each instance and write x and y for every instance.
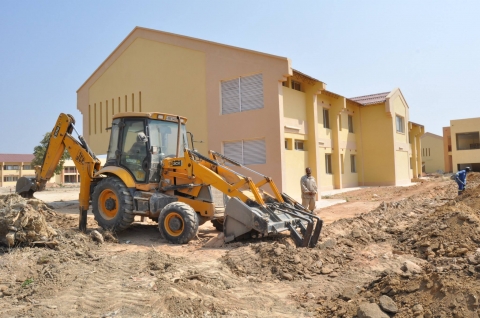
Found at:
(204, 208)
(121, 173)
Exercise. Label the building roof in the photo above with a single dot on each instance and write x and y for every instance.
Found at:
(13, 157)
(371, 99)
(121, 47)
(427, 134)
(307, 76)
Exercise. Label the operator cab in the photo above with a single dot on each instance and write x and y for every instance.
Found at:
(140, 141)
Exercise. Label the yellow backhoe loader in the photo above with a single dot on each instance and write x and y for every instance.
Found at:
(151, 171)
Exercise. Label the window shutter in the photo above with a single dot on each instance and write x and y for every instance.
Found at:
(254, 152)
(251, 88)
(233, 150)
(230, 96)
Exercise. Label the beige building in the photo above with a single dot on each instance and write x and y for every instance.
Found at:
(14, 166)
(432, 153)
(462, 144)
(69, 173)
(255, 108)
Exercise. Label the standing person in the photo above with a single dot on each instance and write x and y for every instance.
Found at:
(309, 190)
(461, 179)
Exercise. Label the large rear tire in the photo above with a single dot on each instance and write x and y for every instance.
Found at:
(112, 204)
(178, 223)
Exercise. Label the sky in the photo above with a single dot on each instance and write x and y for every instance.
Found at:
(429, 49)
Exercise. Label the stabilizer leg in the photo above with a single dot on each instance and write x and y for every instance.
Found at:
(82, 220)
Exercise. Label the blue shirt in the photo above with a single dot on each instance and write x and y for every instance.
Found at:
(462, 176)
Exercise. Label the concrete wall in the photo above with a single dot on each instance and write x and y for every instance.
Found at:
(433, 153)
(464, 157)
(402, 146)
(149, 76)
(447, 149)
(378, 146)
(182, 75)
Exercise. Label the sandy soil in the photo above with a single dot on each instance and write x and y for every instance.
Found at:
(361, 256)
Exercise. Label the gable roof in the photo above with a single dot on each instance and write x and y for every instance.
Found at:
(371, 99)
(140, 32)
(427, 134)
(9, 157)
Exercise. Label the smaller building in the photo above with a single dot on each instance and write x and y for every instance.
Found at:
(14, 166)
(461, 142)
(70, 173)
(432, 153)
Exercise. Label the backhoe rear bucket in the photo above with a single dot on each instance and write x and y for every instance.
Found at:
(26, 187)
(241, 219)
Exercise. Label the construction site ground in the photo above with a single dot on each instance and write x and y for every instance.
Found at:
(385, 252)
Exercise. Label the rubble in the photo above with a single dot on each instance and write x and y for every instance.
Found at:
(24, 222)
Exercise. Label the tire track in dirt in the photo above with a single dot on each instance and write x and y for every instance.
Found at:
(102, 287)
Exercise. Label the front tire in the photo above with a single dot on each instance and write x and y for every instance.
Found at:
(218, 224)
(178, 223)
(112, 204)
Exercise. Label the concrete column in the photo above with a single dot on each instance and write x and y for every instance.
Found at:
(337, 107)
(312, 129)
(1, 173)
(20, 171)
(419, 154)
(414, 162)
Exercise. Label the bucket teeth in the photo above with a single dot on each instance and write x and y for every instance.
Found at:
(273, 218)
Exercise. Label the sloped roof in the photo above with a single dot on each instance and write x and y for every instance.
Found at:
(427, 134)
(12, 157)
(142, 32)
(371, 99)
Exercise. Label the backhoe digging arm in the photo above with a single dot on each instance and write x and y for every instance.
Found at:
(85, 162)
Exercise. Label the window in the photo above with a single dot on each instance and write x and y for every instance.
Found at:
(69, 170)
(70, 179)
(328, 163)
(10, 178)
(11, 167)
(288, 144)
(285, 83)
(326, 118)
(300, 145)
(27, 167)
(242, 94)
(350, 123)
(353, 164)
(296, 86)
(466, 141)
(246, 152)
(400, 124)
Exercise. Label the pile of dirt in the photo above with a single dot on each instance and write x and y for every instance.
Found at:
(443, 232)
(24, 222)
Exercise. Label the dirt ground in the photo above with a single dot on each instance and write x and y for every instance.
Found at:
(386, 252)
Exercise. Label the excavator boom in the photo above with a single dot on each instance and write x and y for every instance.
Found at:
(85, 161)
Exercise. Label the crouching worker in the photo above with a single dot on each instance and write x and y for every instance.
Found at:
(461, 179)
(309, 190)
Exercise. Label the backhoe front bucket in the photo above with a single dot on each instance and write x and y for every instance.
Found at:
(241, 219)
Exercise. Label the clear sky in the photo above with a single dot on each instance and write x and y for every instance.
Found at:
(429, 49)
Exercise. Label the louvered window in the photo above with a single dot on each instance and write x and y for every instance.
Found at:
(242, 94)
(246, 152)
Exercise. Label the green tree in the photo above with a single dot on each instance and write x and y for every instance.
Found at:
(39, 153)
